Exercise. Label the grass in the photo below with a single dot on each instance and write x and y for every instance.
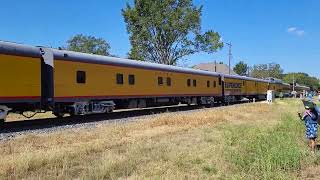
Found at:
(273, 153)
(249, 141)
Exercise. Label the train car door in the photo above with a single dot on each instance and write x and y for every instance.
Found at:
(47, 81)
(221, 83)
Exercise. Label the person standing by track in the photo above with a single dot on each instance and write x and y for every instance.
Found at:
(310, 118)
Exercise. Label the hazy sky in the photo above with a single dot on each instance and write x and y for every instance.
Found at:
(261, 31)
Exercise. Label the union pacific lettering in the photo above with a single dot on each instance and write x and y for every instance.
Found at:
(232, 85)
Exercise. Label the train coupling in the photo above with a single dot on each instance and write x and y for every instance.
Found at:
(4, 112)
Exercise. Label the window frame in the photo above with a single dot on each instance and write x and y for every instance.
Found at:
(194, 83)
(119, 79)
(208, 84)
(168, 81)
(131, 79)
(160, 81)
(81, 77)
(188, 82)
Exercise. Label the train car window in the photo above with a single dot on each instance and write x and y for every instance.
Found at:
(168, 81)
(194, 83)
(81, 77)
(189, 82)
(131, 79)
(160, 81)
(208, 83)
(220, 82)
(243, 83)
(119, 78)
(214, 84)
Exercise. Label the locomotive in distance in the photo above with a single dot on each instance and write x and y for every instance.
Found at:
(64, 82)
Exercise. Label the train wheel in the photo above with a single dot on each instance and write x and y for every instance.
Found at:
(212, 104)
(109, 111)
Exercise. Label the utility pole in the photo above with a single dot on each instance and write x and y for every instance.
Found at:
(215, 65)
(293, 85)
(230, 56)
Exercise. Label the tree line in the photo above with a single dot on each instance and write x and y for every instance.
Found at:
(274, 70)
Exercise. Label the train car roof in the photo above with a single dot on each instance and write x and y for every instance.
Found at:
(91, 58)
(244, 78)
(32, 51)
(302, 86)
(19, 49)
(98, 59)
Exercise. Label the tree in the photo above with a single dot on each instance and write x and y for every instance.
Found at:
(88, 44)
(302, 79)
(260, 71)
(275, 70)
(165, 31)
(267, 70)
(241, 68)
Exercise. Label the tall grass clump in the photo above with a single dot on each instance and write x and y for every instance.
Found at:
(272, 153)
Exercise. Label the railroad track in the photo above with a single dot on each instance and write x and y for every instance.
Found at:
(79, 121)
(16, 128)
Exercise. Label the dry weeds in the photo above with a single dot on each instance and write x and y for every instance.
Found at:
(17, 117)
(169, 146)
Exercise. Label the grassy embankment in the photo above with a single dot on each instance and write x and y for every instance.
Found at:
(256, 141)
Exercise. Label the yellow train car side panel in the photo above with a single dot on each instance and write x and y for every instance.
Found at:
(101, 81)
(273, 86)
(21, 77)
(279, 88)
(251, 87)
(262, 88)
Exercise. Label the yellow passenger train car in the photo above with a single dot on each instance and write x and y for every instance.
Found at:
(46, 79)
(20, 69)
(80, 78)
